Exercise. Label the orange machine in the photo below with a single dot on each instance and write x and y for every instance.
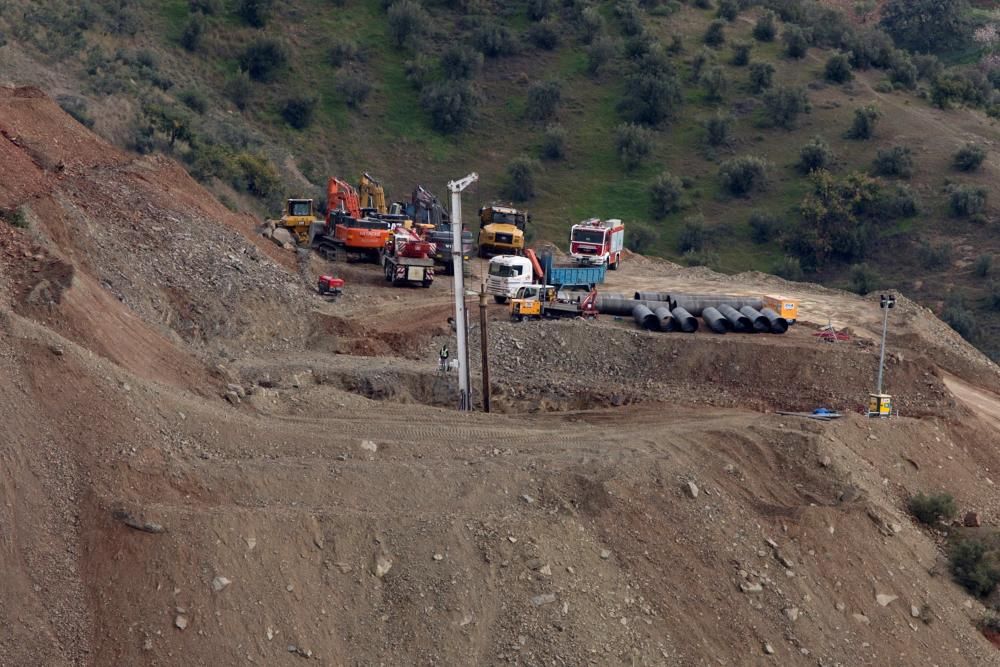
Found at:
(342, 196)
(346, 234)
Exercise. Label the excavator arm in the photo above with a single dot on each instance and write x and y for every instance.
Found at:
(372, 194)
(341, 195)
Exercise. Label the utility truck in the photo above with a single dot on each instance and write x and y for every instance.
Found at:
(596, 241)
(538, 301)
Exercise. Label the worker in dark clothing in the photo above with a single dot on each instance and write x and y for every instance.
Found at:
(443, 359)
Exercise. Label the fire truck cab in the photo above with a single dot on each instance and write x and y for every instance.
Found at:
(597, 242)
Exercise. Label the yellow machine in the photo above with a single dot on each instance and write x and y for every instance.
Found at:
(299, 215)
(879, 405)
(501, 230)
(785, 307)
(528, 303)
(372, 194)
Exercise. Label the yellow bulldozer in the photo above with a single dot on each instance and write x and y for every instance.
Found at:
(299, 216)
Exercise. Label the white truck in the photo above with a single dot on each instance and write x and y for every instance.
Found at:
(509, 273)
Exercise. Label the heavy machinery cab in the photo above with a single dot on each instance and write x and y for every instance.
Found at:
(503, 215)
(507, 274)
(596, 241)
(298, 218)
(300, 208)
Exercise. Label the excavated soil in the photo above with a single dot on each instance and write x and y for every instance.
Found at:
(205, 462)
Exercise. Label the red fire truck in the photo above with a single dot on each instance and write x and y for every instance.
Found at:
(597, 242)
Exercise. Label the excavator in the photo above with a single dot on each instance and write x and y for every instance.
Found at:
(434, 222)
(347, 232)
(501, 230)
(372, 194)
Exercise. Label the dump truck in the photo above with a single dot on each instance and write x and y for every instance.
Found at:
(299, 218)
(538, 301)
(597, 241)
(508, 273)
(501, 230)
(406, 259)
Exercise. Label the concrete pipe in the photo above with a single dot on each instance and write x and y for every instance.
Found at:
(779, 324)
(715, 321)
(616, 304)
(666, 319)
(739, 321)
(645, 318)
(684, 320)
(760, 323)
(695, 303)
(652, 296)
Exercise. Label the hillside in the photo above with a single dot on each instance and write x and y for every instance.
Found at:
(206, 463)
(167, 77)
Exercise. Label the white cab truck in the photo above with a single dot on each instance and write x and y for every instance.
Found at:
(507, 274)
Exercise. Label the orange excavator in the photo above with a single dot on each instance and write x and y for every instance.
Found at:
(346, 233)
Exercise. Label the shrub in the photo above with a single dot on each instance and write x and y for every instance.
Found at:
(254, 12)
(460, 62)
(796, 41)
(263, 59)
(930, 509)
(543, 101)
(539, 9)
(902, 71)
(554, 142)
(863, 279)
(814, 155)
(342, 51)
(869, 48)
(633, 143)
(928, 66)
(790, 268)
(966, 200)
(77, 108)
(194, 100)
(676, 44)
(206, 7)
(765, 30)
(925, 25)
(591, 24)
(716, 33)
(764, 226)
(544, 35)
(741, 54)
(863, 126)
(703, 4)
(715, 84)
(239, 90)
(701, 60)
(933, 256)
(983, 266)
(899, 202)
(493, 39)
(450, 104)
(16, 217)
(192, 33)
(761, 77)
(665, 194)
(298, 111)
(971, 567)
(969, 157)
(717, 129)
(838, 69)
(742, 175)
(353, 89)
(521, 178)
(783, 105)
(651, 97)
(895, 161)
(728, 10)
(628, 13)
(692, 237)
(640, 238)
(257, 175)
(418, 70)
(407, 20)
(960, 318)
(599, 52)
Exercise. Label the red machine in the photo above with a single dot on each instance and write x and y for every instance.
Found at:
(597, 242)
(407, 258)
(330, 286)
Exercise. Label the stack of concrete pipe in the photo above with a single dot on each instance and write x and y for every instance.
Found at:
(659, 311)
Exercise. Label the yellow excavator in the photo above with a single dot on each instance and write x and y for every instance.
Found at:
(372, 194)
(299, 216)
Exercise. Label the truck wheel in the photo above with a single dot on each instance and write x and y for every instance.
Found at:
(614, 266)
(387, 270)
(499, 299)
(427, 283)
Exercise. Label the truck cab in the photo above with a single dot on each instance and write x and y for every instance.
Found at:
(507, 274)
(596, 242)
(501, 230)
(527, 301)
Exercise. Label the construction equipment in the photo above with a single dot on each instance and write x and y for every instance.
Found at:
(596, 241)
(508, 273)
(783, 306)
(341, 196)
(330, 287)
(298, 218)
(406, 258)
(371, 194)
(425, 211)
(501, 230)
(346, 234)
(538, 301)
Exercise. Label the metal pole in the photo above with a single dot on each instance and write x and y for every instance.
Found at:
(485, 346)
(881, 357)
(461, 321)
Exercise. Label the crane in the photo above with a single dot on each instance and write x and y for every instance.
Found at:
(456, 188)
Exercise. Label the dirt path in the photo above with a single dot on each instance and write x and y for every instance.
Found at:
(984, 403)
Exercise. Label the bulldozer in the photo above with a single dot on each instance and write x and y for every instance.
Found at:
(298, 218)
(501, 230)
